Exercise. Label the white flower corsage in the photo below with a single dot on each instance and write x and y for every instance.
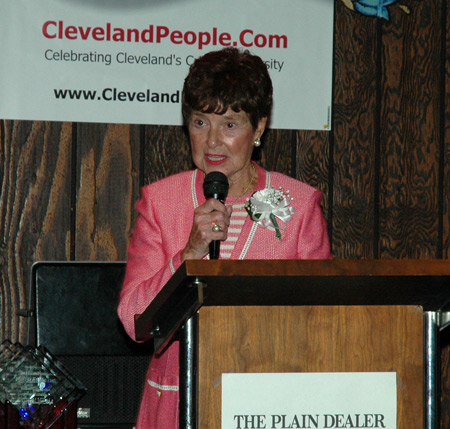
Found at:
(266, 206)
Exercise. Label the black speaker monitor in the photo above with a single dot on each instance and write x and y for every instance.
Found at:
(76, 320)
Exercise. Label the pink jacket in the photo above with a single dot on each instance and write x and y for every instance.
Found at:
(161, 232)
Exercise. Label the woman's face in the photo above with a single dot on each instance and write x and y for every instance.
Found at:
(224, 143)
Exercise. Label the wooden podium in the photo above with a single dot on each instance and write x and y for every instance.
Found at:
(304, 316)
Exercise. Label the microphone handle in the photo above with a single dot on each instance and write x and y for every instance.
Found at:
(214, 246)
(214, 249)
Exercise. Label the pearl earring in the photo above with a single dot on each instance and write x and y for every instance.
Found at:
(257, 143)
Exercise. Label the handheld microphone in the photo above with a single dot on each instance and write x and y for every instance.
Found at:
(215, 186)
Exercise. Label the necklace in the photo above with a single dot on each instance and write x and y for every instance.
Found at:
(248, 185)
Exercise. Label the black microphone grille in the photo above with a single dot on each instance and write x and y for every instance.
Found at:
(215, 183)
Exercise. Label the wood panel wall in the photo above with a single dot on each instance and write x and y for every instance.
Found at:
(67, 190)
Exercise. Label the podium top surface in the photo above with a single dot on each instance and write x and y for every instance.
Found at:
(318, 267)
(322, 282)
(424, 283)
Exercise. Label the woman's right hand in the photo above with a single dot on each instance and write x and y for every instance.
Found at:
(205, 216)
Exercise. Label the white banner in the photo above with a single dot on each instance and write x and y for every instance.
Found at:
(309, 400)
(125, 62)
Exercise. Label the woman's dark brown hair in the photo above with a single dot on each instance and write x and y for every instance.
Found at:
(228, 78)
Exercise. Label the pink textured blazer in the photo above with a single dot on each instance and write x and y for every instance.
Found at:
(161, 232)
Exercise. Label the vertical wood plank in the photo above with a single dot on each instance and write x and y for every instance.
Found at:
(312, 158)
(410, 133)
(107, 190)
(34, 210)
(277, 152)
(167, 151)
(313, 161)
(354, 133)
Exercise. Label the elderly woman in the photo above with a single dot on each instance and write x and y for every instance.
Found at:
(227, 99)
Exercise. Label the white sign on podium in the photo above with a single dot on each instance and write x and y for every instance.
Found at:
(309, 400)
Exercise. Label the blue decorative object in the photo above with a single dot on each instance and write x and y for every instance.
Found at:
(374, 7)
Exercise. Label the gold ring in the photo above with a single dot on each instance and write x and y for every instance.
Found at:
(215, 227)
